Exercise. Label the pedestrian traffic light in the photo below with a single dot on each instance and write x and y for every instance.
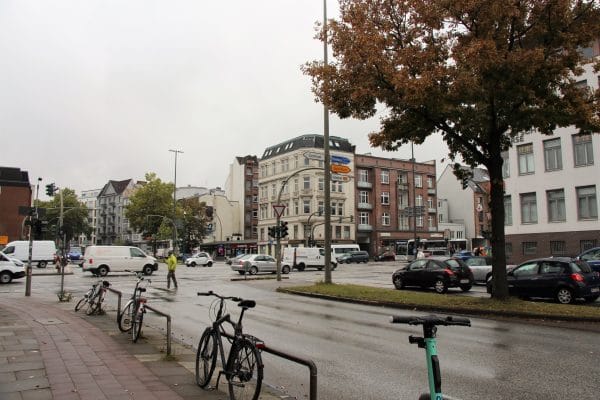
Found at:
(50, 189)
(283, 229)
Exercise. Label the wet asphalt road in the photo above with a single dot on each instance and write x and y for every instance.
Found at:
(359, 355)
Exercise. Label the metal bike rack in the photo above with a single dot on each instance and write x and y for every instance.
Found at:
(308, 363)
(119, 295)
(168, 326)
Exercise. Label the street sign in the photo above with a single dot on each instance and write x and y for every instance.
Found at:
(340, 169)
(278, 208)
(313, 155)
(412, 211)
(340, 160)
(340, 178)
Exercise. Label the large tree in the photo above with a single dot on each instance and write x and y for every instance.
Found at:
(193, 217)
(75, 217)
(480, 72)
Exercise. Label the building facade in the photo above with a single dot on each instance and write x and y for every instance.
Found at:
(15, 192)
(241, 186)
(291, 174)
(90, 199)
(112, 225)
(386, 191)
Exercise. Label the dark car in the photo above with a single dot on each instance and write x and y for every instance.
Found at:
(463, 254)
(75, 255)
(439, 273)
(559, 278)
(386, 255)
(353, 257)
(592, 257)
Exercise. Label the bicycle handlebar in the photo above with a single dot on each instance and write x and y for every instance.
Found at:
(429, 320)
(211, 293)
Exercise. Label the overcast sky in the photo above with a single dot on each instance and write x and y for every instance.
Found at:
(101, 89)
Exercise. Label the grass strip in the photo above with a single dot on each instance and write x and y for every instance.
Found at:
(448, 302)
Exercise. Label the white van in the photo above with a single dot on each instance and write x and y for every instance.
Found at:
(305, 257)
(339, 249)
(43, 251)
(10, 268)
(100, 260)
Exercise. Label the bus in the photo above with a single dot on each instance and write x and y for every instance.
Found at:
(431, 247)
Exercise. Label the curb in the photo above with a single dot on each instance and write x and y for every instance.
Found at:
(464, 311)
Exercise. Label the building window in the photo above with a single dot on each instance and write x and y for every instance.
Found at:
(507, 210)
(430, 222)
(363, 218)
(588, 244)
(385, 176)
(295, 231)
(295, 184)
(430, 182)
(419, 201)
(529, 248)
(418, 181)
(273, 190)
(403, 222)
(306, 184)
(420, 221)
(528, 208)
(505, 165)
(583, 150)
(363, 197)
(320, 207)
(306, 161)
(306, 206)
(558, 247)
(556, 205)
(508, 249)
(385, 198)
(346, 232)
(363, 175)
(385, 219)
(430, 203)
(525, 153)
(321, 184)
(296, 207)
(295, 162)
(285, 165)
(587, 205)
(552, 154)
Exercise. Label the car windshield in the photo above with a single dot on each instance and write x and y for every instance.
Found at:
(454, 264)
(580, 266)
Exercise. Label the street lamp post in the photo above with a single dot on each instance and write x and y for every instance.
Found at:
(412, 160)
(175, 200)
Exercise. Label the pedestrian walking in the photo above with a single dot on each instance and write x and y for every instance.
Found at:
(171, 265)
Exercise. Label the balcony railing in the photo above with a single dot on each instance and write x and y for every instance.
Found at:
(364, 185)
(431, 210)
(364, 227)
(431, 191)
(364, 206)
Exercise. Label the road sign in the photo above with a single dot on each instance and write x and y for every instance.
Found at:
(278, 208)
(340, 169)
(340, 178)
(340, 160)
(313, 155)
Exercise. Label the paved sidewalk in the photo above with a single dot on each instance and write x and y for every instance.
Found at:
(50, 352)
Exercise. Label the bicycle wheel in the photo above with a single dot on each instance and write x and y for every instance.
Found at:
(94, 304)
(125, 316)
(136, 325)
(245, 372)
(83, 300)
(206, 357)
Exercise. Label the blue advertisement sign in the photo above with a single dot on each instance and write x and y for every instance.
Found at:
(340, 160)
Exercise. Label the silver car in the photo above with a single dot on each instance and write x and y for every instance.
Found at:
(481, 266)
(255, 263)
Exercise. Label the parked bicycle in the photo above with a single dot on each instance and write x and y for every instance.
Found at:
(428, 342)
(125, 317)
(243, 367)
(94, 298)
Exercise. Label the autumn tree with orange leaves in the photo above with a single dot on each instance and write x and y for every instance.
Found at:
(479, 72)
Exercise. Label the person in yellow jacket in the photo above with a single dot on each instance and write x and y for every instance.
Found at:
(171, 265)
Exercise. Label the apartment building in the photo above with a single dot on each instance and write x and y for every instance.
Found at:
(90, 199)
(241, 186)
(112, 225)
(386, 190)
(15, 192)
(299, 163)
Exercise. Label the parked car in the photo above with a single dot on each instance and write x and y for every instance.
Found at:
(10, 268)
(439, 273)
(386, 255)
(481, 266)
(592, 257)
(231, 260)
(353, 257)
(255, 263)
(560, 278)
(75, 255)
(201, 258)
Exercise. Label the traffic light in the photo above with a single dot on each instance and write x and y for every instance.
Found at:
(272, 230)
(50, 189)
(283, 229)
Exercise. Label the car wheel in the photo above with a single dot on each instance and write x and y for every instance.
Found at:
(42, 264)
(465, 288)
(209, 264)
(300, 267)
(591, 299)
(565, 296)
(147, 270)
(440, 286)
(102, 271)
(241, 272)
(285, 269)
(193, 264)
(398, 282)
(253, 270)
(5, 277)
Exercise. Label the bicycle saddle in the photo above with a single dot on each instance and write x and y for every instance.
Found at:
(247, 304)
(105, 283)
(141, 289)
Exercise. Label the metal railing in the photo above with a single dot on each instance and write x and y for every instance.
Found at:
(168, 326)
(119, 295)
(312, 367)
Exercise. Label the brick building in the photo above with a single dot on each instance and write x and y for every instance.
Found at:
(15, 191)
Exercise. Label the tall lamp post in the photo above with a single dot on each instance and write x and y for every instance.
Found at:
(175, 200)
(327, 277)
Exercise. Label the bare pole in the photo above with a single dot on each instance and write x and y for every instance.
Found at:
(175, 201)
(327, 167)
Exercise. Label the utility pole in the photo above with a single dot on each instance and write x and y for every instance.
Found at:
(35, 212)
(414, 189)
(175, 201)
(327, 167)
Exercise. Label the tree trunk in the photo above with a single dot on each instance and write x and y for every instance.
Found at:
(499, 282)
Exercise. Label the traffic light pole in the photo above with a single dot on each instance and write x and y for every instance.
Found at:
(28, 273)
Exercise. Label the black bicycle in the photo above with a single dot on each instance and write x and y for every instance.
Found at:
(125, 317)
(93, 298)
(243, 368)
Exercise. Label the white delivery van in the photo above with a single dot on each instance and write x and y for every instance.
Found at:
(100, 260)
(305, 257)
(339, 249)
(10, 268)
(43, 251)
